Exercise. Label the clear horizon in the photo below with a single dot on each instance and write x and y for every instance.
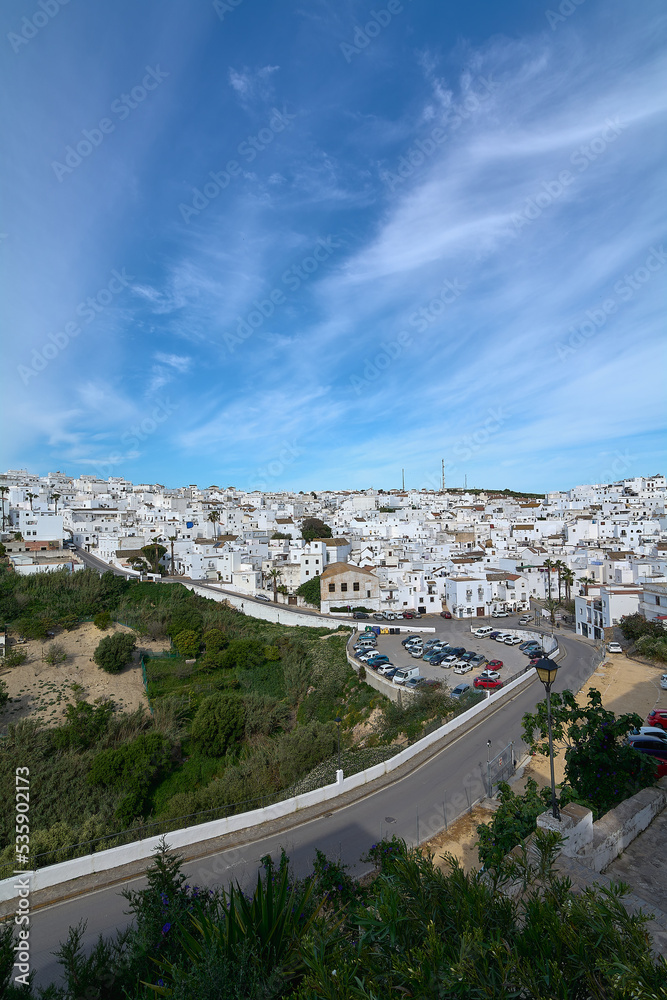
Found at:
(303, 248)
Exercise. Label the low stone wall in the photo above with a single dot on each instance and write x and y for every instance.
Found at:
(598, 844)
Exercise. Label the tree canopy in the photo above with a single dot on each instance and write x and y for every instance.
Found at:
(313, 527)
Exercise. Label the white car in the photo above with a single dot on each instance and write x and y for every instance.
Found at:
(614, 647)
(525, 619)
(503, 636)
(384, 668)
(489, 675)
(416, 651)
(663, 682)
(500, 614)
(512, 640)
(463, 667)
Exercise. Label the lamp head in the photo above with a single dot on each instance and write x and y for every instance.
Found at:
(546, 670)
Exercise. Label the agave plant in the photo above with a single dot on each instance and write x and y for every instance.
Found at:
(269, 926)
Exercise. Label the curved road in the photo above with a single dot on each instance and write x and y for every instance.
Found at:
(414, 807)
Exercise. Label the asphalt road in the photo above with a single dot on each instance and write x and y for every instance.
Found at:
(414, 808)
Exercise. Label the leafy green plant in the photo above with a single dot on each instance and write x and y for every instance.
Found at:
(310, 591)
(187, 643)
(601, 770)
(218, 724)
(15, 657)
(115, 651)
(102, 620)
(512, 822)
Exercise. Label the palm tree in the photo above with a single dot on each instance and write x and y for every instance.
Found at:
(548, 565)
(30, 497)
(3, 490)
(568, 580)
(274, 574)
(587, 581)
(214, 516)
(56, 497)
(559, 566)
(172, 539)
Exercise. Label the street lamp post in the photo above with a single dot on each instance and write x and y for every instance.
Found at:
(546, 671)
(337, 720)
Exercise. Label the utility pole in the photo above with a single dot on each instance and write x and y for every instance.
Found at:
(443, 475)
(403, 480)
(465, 482)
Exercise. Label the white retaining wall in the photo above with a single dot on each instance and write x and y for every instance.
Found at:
(269, 612)
(141, 850)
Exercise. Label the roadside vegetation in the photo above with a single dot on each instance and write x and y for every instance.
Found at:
(409, 930)
(242, 712)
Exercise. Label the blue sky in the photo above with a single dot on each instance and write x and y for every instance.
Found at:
(306, 245)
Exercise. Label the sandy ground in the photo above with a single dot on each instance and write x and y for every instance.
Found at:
(625, 685)
(40, 691)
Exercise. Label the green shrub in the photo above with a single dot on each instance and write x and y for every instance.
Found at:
(218, 724)
(132, 768)
(115, 651)
(84, 725)
(214, 640)
(102, 620)
(310, 591)
(243, 653)
(512, 822)
(187, 643)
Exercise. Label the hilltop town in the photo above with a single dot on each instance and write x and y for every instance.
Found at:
(601, 547)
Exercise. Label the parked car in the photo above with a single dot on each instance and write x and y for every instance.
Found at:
(512, 640)
(386, 668)
(262, 597)
(379, 616)
(524, 619)
(494, 664)
(502, 636)
(378, 658)
(527, 643)
(445, 614)
(650, 745)
(403, 674)
(462, 667)
(614, 647)
(459, 690)
(494, 635)
(483, 632)
(658, 717)
(492, 675)
(487, 683)
(413, 683)
(408, 614)
(410, 638)
(648, 731)
(389, 674)
(416, 651)
(533, 651)
(663, 682)
(360, 615)
(500, 614)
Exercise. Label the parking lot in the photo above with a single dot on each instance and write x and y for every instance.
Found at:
(457, 633)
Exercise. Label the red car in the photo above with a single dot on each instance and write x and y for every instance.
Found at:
(445, 614)
(658, 717)
(487, 683)
(494, 664)
(662, 767)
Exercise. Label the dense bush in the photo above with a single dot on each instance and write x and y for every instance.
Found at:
(310, 591)
(635, 626)
(131, 768)
(187, 643)
(102, 620)
(655, 648)
(218, 724)
(115, 651)
(413, 930)
(601, 769)
(55, 654)
(512, 822)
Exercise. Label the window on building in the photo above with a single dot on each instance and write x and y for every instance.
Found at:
(368, 593)
(355, 586)
(306, 562)
(432, 600)
(343, 587)
(332, 587)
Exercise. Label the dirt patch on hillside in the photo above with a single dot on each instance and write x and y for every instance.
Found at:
(460, 840)
(40, 691)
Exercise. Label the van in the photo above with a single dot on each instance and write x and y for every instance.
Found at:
(485, 630)
(404, 674)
